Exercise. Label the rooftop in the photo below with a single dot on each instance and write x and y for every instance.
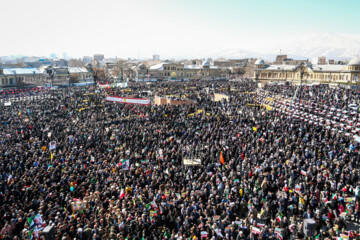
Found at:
(21, 71)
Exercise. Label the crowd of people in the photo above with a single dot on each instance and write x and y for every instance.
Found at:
(91, 169)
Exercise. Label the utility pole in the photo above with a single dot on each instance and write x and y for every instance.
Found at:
(50, 71)
(302, 70)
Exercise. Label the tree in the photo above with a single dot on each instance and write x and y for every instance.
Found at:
(119, 67)
(74, 78)
(249, 70)
(76, 63)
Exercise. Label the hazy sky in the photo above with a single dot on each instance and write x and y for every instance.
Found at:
(140, 28)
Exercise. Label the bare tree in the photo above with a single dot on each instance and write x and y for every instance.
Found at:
(74, 78)
(118, 68)
(76, 63)
(249, 70)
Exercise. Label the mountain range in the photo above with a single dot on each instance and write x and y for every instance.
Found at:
(306, 46)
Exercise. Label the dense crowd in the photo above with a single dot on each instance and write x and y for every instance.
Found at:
(104, 170)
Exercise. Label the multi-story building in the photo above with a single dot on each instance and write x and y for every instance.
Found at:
(180, 71)
(319, 60)
(308, 72)
(15, 77)
(98, 57)
(87, 59)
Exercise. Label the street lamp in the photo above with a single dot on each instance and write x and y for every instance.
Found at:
(50, 71)
(302, 71)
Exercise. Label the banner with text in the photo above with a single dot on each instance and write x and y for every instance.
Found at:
(141, 101)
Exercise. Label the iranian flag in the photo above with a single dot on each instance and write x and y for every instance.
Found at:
(260, 225)
(303, 173)
(255, 230)
(204, 234)
(279, 218)
(334, 196)
(122, 193)
(279, 235)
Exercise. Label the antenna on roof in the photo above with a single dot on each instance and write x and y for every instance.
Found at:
(280, 51)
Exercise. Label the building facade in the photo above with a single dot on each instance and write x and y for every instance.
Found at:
(180, 71)
(20, 77)
(308, 72)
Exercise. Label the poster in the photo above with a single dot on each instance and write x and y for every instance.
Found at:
(125, 164)
(191, 162)
(52, 145)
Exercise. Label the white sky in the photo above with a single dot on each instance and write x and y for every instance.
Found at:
(136, 28)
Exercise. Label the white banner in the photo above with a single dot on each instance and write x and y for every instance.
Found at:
(192, 162)
(104, 86)
(141, 101)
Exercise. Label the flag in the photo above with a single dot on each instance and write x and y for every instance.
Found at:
(204, 234)
(302, 172)
(279, 235)
(31, 221)
(222, 158)
(216, 218)
(35, 223)
(51, 156)
(255, 129)
(153, 204)
(260, 225)
(255, 230)
(279, 218)
(33, 233)
(334, 196)
(122, 193)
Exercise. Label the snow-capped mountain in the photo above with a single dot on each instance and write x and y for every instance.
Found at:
(305, 46)
(331, 45)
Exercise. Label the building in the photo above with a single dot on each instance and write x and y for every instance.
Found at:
(179, 71)
(319, 61)
(61, 63)
(20, 77)
(156, 57)
(283, 59)
(81, 73)
(98, 57)
(11, 77)
(87, 59)
(311, 73)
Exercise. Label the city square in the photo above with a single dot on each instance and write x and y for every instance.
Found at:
(180, 120)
